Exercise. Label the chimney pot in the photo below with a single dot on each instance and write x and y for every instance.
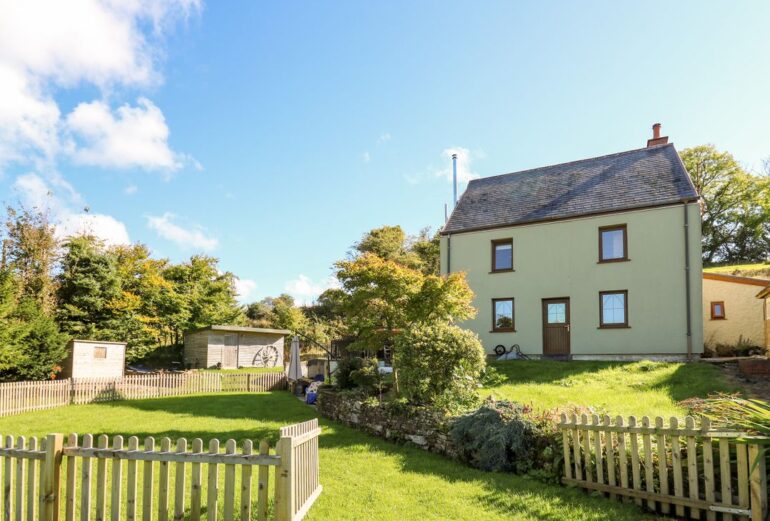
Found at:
(656, 137)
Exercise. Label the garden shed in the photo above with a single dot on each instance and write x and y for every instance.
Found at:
(231, 347)
(94, 359)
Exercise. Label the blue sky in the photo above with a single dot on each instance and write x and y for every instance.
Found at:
(273, 134)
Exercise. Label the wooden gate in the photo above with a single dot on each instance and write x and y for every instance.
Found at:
(686, 470)
(298, 483)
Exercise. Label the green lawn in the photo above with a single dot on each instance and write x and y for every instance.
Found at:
(246, 370)
(364, 478)
(636, 388)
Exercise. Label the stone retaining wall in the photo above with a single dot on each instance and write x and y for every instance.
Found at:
(422, 427)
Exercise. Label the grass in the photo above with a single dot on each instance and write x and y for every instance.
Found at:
(364, 478)
(761, 269)
(636, 388)
(246, 370)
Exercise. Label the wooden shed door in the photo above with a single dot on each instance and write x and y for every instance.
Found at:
(556, 327)
(230, 352)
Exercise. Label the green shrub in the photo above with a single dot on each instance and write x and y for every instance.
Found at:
(345, 368)
(508, 437)
(367, 377)
(439, 364)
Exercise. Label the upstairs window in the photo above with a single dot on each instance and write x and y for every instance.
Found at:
(717, 310)
(502, 255)
(613, 309)
(613, 243)
(100, 352)
(502, 314)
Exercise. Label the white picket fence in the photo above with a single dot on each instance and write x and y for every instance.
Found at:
(85, 478)
(19, 397)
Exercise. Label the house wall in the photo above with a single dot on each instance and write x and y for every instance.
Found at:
(560, 259)
(206, 346)
(81, 362)
(744, 313)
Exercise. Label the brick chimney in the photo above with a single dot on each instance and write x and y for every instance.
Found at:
(656, 139)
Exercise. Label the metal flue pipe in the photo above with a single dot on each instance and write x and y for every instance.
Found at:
(454, 179)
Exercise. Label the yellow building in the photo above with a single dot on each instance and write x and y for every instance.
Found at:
(598, 258)
(734, 310)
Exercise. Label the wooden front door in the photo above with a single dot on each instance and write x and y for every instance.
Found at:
(230, 352)
(556, 328)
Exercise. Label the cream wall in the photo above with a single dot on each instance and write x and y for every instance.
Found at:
(559, 259)
(81, 362)
(744, 313)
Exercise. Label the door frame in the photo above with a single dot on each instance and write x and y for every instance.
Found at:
(568, 324)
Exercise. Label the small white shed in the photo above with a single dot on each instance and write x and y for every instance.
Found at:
(94, 359)
(231, 347)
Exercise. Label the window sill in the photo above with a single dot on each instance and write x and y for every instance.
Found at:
(619, 326)
(609, 261)
(502, 271)
(718, 318)
(502, 331)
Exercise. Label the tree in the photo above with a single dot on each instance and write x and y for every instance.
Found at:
(89, 287)
(31, 346)
(145, 310)
(428, 250)
(207, 296)
(735, 206)
(29, 251)
(389, 243)
(384, 297)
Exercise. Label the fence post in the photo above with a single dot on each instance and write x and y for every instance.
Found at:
(758, 483)
(284, 482)
(49, 495)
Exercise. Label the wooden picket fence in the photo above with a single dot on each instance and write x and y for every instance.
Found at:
(298, 448)
(98, 478)
(18, 397)
(686, 470)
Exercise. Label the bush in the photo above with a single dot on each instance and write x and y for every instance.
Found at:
(439, 364)
(367, 377)
(508, 437)
(742, 347)
(345, 367)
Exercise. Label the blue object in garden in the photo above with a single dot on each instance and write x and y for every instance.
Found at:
(311, 398)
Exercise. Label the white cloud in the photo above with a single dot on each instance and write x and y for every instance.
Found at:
(366, 157)
(193, 237)
(464, 164)
(305, 290)
(47, 45)
(130, 189)
(245, 289)
(35, 192)
(384, 138)
(129, 137)
(106, 227)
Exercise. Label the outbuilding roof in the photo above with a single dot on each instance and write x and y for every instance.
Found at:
(242, 329)
(642, 178)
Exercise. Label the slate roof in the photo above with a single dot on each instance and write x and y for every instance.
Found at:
(653, 176)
